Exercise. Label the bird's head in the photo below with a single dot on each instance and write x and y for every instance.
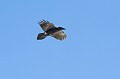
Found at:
(61, 28)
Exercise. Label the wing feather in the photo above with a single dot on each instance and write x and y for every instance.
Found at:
(60, 35)
(45, 25)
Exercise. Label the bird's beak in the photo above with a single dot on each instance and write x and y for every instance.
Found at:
(64, 29)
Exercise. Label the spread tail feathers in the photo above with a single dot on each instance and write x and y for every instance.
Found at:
(41, 36)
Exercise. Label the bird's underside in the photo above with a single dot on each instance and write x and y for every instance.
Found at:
(50, 30)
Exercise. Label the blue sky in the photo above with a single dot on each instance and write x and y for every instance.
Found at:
(91, 50)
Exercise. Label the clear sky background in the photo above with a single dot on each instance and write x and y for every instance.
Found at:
(91, 50)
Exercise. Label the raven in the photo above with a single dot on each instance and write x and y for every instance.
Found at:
(51, 30)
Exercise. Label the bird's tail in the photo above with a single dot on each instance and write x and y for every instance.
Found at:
(41, 36)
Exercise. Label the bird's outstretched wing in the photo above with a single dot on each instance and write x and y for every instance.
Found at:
(46, 25)
(59, 35)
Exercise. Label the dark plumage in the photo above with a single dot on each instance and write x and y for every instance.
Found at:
(50, 30)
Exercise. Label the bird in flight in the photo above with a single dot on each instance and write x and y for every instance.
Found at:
(51, 30)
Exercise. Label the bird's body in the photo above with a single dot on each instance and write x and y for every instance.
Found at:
(50, 30)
